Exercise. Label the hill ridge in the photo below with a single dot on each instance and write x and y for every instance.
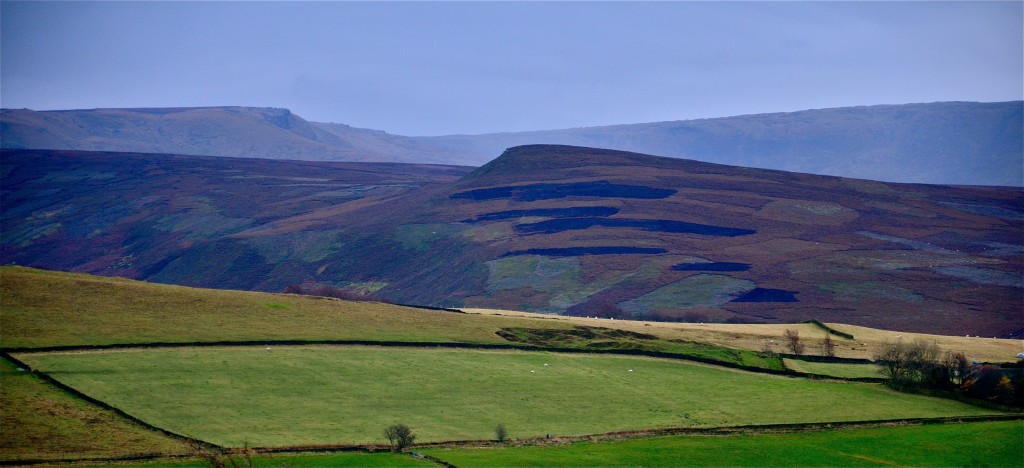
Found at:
(962, 143)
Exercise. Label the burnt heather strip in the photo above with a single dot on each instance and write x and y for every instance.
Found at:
(654, 225)
(767, 295)
(570, 212)
(713, 266)
(578, 251)
(534, 192)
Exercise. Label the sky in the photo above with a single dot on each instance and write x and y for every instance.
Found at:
(439, 68)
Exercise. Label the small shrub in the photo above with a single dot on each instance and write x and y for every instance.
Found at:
(399, 436)
(500, 433)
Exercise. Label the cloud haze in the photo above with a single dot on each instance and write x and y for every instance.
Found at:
(442, 68)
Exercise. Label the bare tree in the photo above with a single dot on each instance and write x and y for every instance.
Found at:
(891, 358)
(793, 341)
(399, 436)
(915, 363)
(828, 347)
(958, 366)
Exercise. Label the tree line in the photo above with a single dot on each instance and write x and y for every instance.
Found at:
(923, 365)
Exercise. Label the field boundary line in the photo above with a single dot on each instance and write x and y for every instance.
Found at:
(71, 461)
(645, 433)
(439, 344)
(829, 330)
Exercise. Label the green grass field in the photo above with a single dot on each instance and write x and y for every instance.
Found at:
(993, 444)
(835, 369)
(341, 395)
(38, 421)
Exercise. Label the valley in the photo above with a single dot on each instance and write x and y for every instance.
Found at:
(377, 234)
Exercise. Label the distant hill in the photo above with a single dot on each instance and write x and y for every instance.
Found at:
(555, 229)
(250, 132)
(947, 143)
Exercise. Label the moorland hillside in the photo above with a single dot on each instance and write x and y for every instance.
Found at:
(556, 229)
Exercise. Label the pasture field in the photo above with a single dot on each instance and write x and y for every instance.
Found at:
(994, 444)
(835, 369)
(38, 421)
(347, 394)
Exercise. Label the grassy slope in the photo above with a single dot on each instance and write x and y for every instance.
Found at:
(332, 395)
(46, 308)
(972, 444)
(38, 421)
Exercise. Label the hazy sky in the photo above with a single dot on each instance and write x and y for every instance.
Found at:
(441, 68)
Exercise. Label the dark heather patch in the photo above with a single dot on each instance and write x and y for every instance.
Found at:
(571, 212)
(535, 192)
(578, 251)
(714, 266)
(655, 225)
(767, 295)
